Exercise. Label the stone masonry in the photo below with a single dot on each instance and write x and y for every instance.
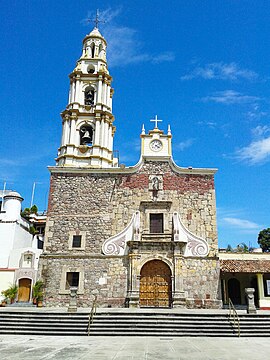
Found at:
(98, 204)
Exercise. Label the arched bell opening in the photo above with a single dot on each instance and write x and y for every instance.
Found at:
(91, 69)
(155, 284)
(86, 135)
(89, 96)
(92, 48)
(100, 48)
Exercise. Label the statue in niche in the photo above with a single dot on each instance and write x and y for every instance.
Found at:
(155, 183)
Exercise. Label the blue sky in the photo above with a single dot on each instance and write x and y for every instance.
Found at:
(202, 66)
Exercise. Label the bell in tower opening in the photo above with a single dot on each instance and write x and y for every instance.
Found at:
(89, 97)
(86, 134)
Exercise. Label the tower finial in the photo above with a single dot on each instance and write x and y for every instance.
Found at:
(143, 130)
(97, 20)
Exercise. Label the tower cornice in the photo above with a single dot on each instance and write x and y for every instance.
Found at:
(93, 35)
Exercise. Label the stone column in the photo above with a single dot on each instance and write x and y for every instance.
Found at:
(105, 93)
(260, 288)
(97, 132)
(99, 90)
(108, 95)
(72, 130)
(179, 297)
(64, 131)
(72, 307)
(134, 293)
(251, 309)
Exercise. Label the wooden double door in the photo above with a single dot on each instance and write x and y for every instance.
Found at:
(155, 284)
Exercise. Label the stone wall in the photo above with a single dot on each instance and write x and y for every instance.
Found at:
(107, 275)
(100, 205)
(201, 282)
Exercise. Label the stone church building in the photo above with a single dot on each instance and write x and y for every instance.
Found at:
(142, 236)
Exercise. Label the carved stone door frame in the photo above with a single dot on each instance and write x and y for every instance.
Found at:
(155, 284)
(136, 262)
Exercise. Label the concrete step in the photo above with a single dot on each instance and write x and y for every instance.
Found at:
(131, 324)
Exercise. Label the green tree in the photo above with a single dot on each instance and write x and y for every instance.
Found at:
(10, 293)
(229, 248)
(28, 211)
(34, 209)
(264, 240)
(37, 290)
(242, 247)
(25, 213)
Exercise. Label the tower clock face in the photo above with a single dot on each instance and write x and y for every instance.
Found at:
(156, 145)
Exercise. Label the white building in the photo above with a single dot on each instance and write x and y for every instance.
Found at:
(20, 250)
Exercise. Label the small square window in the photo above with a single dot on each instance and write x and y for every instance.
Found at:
(72, 279)
(156, 223)
(77, 241)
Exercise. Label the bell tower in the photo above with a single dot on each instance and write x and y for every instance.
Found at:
(87, 134)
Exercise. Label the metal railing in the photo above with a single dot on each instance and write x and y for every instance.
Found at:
(92, 314)
(234, 318)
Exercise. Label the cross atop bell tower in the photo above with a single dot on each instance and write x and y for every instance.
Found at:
(88, 131)
(96, 20)
(156, 120)
(156, 145)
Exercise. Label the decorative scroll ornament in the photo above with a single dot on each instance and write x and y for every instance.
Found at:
(195, 245)
(116, 245)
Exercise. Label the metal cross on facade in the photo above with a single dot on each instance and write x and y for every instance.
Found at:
(156, 120)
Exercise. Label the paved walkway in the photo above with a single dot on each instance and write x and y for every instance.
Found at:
(129, 310)
(136, 348)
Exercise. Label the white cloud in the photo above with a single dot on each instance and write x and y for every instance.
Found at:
(229, 97)
(223, 127)
(255, 112)
(260, 131)
(241, 223)
(221, 71)
(10, 162)
(124, 46)
(163, 57)
(256, 152)
(184, 144)
(209, 124)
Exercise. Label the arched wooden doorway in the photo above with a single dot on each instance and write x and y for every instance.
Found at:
(24, 291)
(156, 284)
(234, 291)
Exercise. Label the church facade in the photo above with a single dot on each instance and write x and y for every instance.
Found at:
(142, 236)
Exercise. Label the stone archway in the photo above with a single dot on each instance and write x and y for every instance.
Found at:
(24, 291)
(155, 284)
